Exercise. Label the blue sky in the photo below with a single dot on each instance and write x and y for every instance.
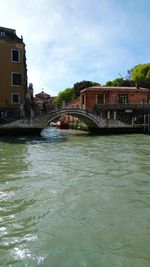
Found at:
(68, 41)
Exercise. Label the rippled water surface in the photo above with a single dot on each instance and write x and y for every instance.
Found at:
(75, 200)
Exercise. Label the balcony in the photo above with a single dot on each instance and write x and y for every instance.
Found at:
(134, 107)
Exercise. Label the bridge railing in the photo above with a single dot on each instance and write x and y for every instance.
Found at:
(100, 122)
(142, 106)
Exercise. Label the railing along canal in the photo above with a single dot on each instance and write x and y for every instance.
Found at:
(143, 106)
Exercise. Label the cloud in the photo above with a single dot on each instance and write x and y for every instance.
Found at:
(70, 40)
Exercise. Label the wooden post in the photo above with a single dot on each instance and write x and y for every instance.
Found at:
(148, 123)
(144, 123)
(108, 114)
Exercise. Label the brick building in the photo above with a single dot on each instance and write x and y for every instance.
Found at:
(13, 73)
(92, 96)
(112, 102)
(43, 103)
(72, 104)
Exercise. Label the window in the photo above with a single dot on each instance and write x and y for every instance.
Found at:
(2, 34)
(15, 55)
(83, 100)
(123, 99)
(100, 99)
(15, 98)
(16, 79)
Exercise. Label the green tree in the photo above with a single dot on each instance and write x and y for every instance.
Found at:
(71, 93)
(141, 75)
(108, 83)
(82, 85)
(64, 96)
(119, 82)
(141, 72)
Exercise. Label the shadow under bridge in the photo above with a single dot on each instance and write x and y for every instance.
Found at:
(89, 119)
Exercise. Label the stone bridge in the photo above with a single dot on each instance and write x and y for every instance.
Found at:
(89, 119)
(92, 121)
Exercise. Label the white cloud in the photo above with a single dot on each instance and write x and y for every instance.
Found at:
(71, 40)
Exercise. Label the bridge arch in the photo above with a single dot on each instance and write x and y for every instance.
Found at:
(91, 121)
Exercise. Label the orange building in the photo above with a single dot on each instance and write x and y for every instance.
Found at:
(13, 73)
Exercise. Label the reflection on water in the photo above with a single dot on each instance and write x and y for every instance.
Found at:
(71, 199)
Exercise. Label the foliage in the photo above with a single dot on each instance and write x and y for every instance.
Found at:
(141, 72)
(82, 85)
(71, 93)
(141, 75)
(108, 83)
(64, 96)
(119, 82)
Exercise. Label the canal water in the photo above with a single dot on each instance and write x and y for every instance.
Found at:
(73, 200)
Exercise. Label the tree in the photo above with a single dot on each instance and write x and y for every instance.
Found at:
(82, 85)
(71, 93)
(141, 75)
(108, 83)
(141, 72)
(119, 82)
(64, 96)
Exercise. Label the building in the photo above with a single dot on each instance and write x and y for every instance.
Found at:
(13, 73)
(122, 103)
(68, 118)
(43, 103)
(101, 95)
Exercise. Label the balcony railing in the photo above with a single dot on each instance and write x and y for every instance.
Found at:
(137, 107)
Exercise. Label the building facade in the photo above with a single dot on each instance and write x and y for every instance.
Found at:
(122, 103)
(43, 103)
(13, 73)
(93, 96)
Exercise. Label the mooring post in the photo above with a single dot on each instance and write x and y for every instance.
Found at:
(148, 123)
(144, 123)
(115, 115)
(108, 114)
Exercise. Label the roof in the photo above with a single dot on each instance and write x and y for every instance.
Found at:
(113, 88)
(42, 95)
(9, 35)
(7, 29)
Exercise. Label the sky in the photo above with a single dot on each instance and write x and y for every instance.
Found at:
(68, 41)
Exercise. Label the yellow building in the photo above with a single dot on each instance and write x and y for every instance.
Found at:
(13, 73)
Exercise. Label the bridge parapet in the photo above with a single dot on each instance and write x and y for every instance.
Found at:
(145, 107)
(90, 119)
